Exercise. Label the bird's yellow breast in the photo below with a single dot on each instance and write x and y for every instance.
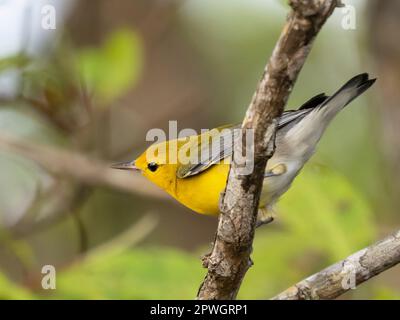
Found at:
(201, 192)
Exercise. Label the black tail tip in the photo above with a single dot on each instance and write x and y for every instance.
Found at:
(360, 81)
(365, 85)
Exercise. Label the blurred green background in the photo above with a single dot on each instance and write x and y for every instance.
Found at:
(75, 99)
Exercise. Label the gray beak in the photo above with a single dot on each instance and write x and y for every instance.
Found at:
(125, 166)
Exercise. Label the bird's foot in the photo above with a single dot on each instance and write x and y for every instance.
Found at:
(264, 217)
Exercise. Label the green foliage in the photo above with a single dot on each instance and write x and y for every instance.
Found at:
(135, 274)
(16, 61)
(385, 293)
(323, 204)
(111, 69)
(10, 291)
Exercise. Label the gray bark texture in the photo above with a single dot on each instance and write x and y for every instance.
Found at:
(348, 273)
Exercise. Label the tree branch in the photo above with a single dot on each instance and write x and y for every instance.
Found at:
(79, 167)
(229, 259)
(337, 279)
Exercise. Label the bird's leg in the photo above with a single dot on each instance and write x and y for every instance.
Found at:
(264, 216)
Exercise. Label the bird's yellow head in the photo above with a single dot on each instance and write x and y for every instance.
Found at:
(157, 164)
(156, 167)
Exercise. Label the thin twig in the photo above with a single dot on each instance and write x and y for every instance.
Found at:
(337, 279)
(230, 257)
(80, 167)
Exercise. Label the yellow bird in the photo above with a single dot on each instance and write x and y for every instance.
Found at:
(199, 184)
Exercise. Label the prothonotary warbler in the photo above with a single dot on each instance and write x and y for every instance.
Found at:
(199, 184)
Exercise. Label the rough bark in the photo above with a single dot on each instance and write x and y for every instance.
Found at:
(348, 273)
(229, 259)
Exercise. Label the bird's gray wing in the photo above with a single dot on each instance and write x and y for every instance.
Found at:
(290, 116)
(295, 115)
(218, 146)
(212, 153)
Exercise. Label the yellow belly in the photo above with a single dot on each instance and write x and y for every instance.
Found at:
(201, 192)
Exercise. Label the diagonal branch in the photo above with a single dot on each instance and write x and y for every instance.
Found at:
(78, 167)
(337, 279)
(229, 259)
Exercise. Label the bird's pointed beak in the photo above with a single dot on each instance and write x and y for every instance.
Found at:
(130, 165)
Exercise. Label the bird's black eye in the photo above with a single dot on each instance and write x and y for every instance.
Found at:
(152, 166)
